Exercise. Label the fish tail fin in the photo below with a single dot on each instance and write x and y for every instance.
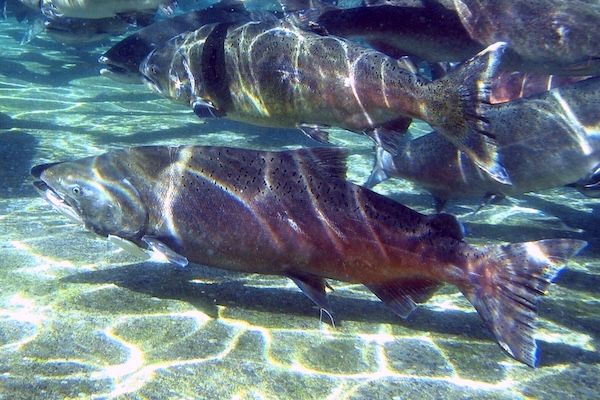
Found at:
(506, 284)
(461, 114)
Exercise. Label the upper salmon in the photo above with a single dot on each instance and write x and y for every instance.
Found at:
(543, 36)
(271, 73)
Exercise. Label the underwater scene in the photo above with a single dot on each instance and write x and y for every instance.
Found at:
(299, 199)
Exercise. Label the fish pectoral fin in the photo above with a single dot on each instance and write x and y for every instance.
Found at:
(205, 109)
(315, 132)
(403, 295)
(127, 246)
(314, 288)
(161, 252)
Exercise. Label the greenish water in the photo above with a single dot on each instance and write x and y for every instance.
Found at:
(79, 318)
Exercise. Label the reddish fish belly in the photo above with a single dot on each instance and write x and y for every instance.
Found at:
(352, 250)
(359, 261)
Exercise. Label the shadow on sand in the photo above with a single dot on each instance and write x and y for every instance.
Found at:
(168, 282)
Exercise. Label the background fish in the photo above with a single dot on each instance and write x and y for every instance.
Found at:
(93, 9)
(78, 30)
(270, 73)
(122, 61)
(549, 36)
(589, 185)
(291, 213)
(546, 141)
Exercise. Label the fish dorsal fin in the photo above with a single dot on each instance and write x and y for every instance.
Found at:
(448, 225)
(314, 288)
(331, 160)
(402, 295)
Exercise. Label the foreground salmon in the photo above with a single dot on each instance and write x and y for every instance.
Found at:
(292, 213)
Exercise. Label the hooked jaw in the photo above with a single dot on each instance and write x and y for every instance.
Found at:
(58, 201)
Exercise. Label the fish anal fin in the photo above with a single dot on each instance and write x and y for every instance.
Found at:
(314, 288)
(403, 295)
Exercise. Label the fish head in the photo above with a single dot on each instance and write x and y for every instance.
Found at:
(122, 61)
(166, 71)
(88, 191)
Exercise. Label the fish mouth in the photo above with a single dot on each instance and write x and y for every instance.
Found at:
(117, 72)
(56, 200)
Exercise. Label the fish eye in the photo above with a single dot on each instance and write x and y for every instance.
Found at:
(76, 190)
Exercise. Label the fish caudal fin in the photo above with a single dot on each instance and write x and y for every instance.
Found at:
(463, 119)
(506, 284)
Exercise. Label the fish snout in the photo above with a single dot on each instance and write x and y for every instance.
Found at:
(37, 171)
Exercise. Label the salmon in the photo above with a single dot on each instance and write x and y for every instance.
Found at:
(293, 213)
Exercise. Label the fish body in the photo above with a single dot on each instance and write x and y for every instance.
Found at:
(77, 30)
(546, 36)
(270, 73)
(292, 213)
(508, 86)
(122, 61)
(95, 9)
(545, 141)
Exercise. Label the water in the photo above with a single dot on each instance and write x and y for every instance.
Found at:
(79, 318)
